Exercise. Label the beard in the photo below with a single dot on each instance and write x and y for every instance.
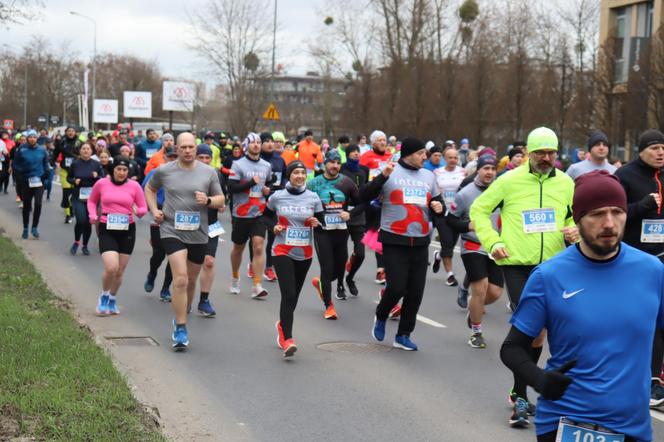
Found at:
(600, 248)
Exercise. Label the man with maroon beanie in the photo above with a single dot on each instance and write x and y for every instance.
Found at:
(642, 179)
(591, 387)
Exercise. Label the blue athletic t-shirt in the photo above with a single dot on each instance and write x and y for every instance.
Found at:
(603, 315)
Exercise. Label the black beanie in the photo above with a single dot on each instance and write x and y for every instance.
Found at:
(435, 149)
(597, 137)
(352, 148)
(515, 151)
(410, 145)
(266, 136)
(294, 165)
(650, 137)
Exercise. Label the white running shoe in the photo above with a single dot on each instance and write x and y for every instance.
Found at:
(235, 286)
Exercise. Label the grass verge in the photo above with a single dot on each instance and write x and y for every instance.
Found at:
(55, 383)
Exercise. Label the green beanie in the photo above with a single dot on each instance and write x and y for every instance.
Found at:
(542, 138)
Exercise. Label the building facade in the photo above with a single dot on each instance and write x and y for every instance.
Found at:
(632, 47)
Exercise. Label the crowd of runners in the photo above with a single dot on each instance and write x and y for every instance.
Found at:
(559, 243)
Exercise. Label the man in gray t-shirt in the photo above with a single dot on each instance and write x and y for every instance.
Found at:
(191, 189)
(598, 147)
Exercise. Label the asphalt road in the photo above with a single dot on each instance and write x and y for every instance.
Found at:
(233, 384)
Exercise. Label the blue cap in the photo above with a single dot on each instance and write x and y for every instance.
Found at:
(464, 141)
(332, 155)
(203, 149)
(31, 133)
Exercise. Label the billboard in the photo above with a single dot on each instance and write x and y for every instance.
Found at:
(179, 96)
(105, 111)
(137, 104)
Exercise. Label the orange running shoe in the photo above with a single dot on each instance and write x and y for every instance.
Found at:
(319, 290)
(330, 312)
(289, 348)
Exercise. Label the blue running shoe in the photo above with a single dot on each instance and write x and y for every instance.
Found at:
(205, 308)
(519, 417)
(165, 295)
(25, 233)
(403, 342)
(149, 282)
(179, 337)
(35, 233)
(74, 249)
(378, 330)
(102, 305)
(85, 250)
(113, 307)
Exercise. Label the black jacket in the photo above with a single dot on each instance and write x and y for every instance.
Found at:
(640, 180)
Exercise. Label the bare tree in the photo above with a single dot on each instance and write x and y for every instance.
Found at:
(17, 11)
(234, 47)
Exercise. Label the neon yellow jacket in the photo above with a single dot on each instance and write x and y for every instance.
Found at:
(514, 192)
(216, 156)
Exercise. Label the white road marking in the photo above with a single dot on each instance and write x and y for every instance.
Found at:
(657, 415)
(427, 321)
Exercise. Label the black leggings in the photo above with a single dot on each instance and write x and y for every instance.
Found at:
(551, 437)
(380, 263)
(406, 273)
(332, 252)
(516, 277)
(28, 193)
(356, 234)
(158, 256)
(82, 227)
(291, 275)
(4, 176)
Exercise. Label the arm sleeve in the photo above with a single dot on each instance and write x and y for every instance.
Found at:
(372, 190)
(636, 209)
(235, 186)
(516, 355)
(530, 314)
(139, 200)
(480, 214)
(268, 218)
(93, 201)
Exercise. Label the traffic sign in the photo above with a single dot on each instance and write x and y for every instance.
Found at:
(271, 113)
(8, 124)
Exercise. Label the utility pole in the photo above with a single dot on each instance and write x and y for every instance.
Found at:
(25, 97)
(274, 48)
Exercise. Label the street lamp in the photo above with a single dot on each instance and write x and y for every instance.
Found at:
(94, 59)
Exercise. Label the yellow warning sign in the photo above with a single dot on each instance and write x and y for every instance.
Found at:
(271, 113)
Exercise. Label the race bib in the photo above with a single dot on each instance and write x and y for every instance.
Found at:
(569, 431)
(298, 236)
(449, 195)
(150, 152)
(539, 220)
(34, 181)
(256, 191)
(187, 220)
(652, 230)
(84, 193)
(117, 221)
(68, 161)
(215, 230)
(415, 195)
(333, 221)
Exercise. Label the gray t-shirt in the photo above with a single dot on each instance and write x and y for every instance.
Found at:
(251, 202)
(184, 219)
(583, 167)
(461, 209)
(406, 196)
(296, 240)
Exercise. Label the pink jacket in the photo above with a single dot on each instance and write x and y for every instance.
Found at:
(116, 199)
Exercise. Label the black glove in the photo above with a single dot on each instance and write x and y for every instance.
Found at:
(648, 203)
(553, 383)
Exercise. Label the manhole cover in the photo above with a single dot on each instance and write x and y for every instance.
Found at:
(353, 347)
(135, 341)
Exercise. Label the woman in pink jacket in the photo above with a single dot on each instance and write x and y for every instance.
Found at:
(116, 229)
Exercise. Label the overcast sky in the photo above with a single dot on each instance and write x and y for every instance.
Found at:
(137, 27)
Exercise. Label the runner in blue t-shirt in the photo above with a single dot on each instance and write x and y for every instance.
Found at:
(600, 327)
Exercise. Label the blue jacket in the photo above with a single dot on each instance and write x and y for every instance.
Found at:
(141, 151)
(431, 167)
(161, 196)
(31, 161)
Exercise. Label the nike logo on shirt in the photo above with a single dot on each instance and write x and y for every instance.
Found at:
(569, 295)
